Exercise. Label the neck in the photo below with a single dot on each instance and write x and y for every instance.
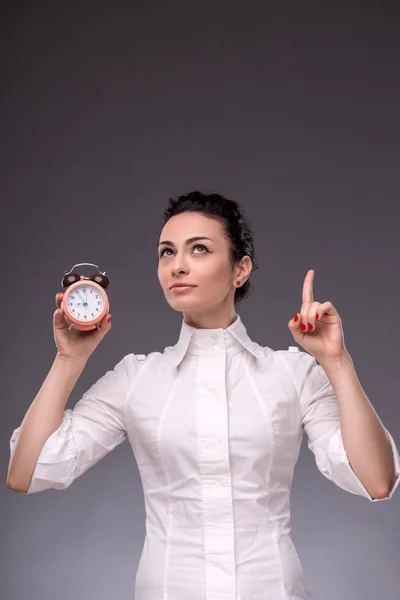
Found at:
(210, 320)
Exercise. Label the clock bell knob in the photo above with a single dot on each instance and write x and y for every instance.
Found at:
(69, 279)
(101, 280)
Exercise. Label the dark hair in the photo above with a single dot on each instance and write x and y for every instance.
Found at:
(235, 227)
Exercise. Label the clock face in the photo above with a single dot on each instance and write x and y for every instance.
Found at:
(85, 302)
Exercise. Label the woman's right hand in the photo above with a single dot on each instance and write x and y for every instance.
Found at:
(76, 345)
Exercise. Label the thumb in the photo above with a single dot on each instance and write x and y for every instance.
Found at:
(295, 325)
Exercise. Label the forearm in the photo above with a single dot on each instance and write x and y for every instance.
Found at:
(364, 437)
(43, 417)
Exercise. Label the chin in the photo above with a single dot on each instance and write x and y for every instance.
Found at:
(182, 301)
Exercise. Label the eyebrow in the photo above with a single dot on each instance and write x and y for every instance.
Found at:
(187, 242)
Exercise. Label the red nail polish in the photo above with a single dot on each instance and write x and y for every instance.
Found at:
(303, 327)
(317, 316)
(296, 318)
(310, 327)
(109, 319)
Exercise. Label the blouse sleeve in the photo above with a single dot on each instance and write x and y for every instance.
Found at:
(321, 422)
(93, 428)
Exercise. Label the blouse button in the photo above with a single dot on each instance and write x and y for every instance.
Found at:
(216, 347)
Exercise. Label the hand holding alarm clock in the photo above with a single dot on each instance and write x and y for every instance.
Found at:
(82, 317)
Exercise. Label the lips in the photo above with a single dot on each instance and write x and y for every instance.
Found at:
(178, 285)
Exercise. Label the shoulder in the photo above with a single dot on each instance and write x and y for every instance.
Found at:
(127, 372)
(298, 363)
(293, 362)
(293, 356)
(130, 366)
(135, 361)
(307, 375)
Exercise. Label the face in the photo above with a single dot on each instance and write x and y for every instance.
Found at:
(203, 263)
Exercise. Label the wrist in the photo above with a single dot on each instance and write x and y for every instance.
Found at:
(340, 363)
(74, 362)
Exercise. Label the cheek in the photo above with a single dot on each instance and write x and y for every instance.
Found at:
(215, 273)
(161, 275)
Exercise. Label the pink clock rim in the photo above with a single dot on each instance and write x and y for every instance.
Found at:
(92, 323)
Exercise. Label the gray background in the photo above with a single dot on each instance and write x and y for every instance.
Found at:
(107, 109)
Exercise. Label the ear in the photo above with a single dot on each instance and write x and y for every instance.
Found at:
(245, 267)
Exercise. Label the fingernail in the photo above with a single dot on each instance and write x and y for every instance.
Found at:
(296, 318)
(317, 316)
(303, 327)
(109, 319)
(310, 327)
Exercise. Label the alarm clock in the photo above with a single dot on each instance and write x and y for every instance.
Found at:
(85, 302)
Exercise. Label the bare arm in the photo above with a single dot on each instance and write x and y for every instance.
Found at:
(43, 417)
(364, 439)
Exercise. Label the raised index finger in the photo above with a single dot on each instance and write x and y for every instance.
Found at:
(308, 294)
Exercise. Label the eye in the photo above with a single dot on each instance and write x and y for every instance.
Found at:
(196, 246)
(201, 246)
(162, 252)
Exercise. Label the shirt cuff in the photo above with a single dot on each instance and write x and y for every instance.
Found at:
(340, 461)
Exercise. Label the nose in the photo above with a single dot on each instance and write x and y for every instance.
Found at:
(178, 265)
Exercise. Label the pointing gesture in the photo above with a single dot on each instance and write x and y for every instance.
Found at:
(308, 293)
(318, 327)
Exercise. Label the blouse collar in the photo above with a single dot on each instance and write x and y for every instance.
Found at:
(213, 341)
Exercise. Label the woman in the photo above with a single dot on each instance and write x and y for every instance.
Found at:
(215, 421)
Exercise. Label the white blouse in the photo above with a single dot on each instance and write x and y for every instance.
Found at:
(215, 423)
